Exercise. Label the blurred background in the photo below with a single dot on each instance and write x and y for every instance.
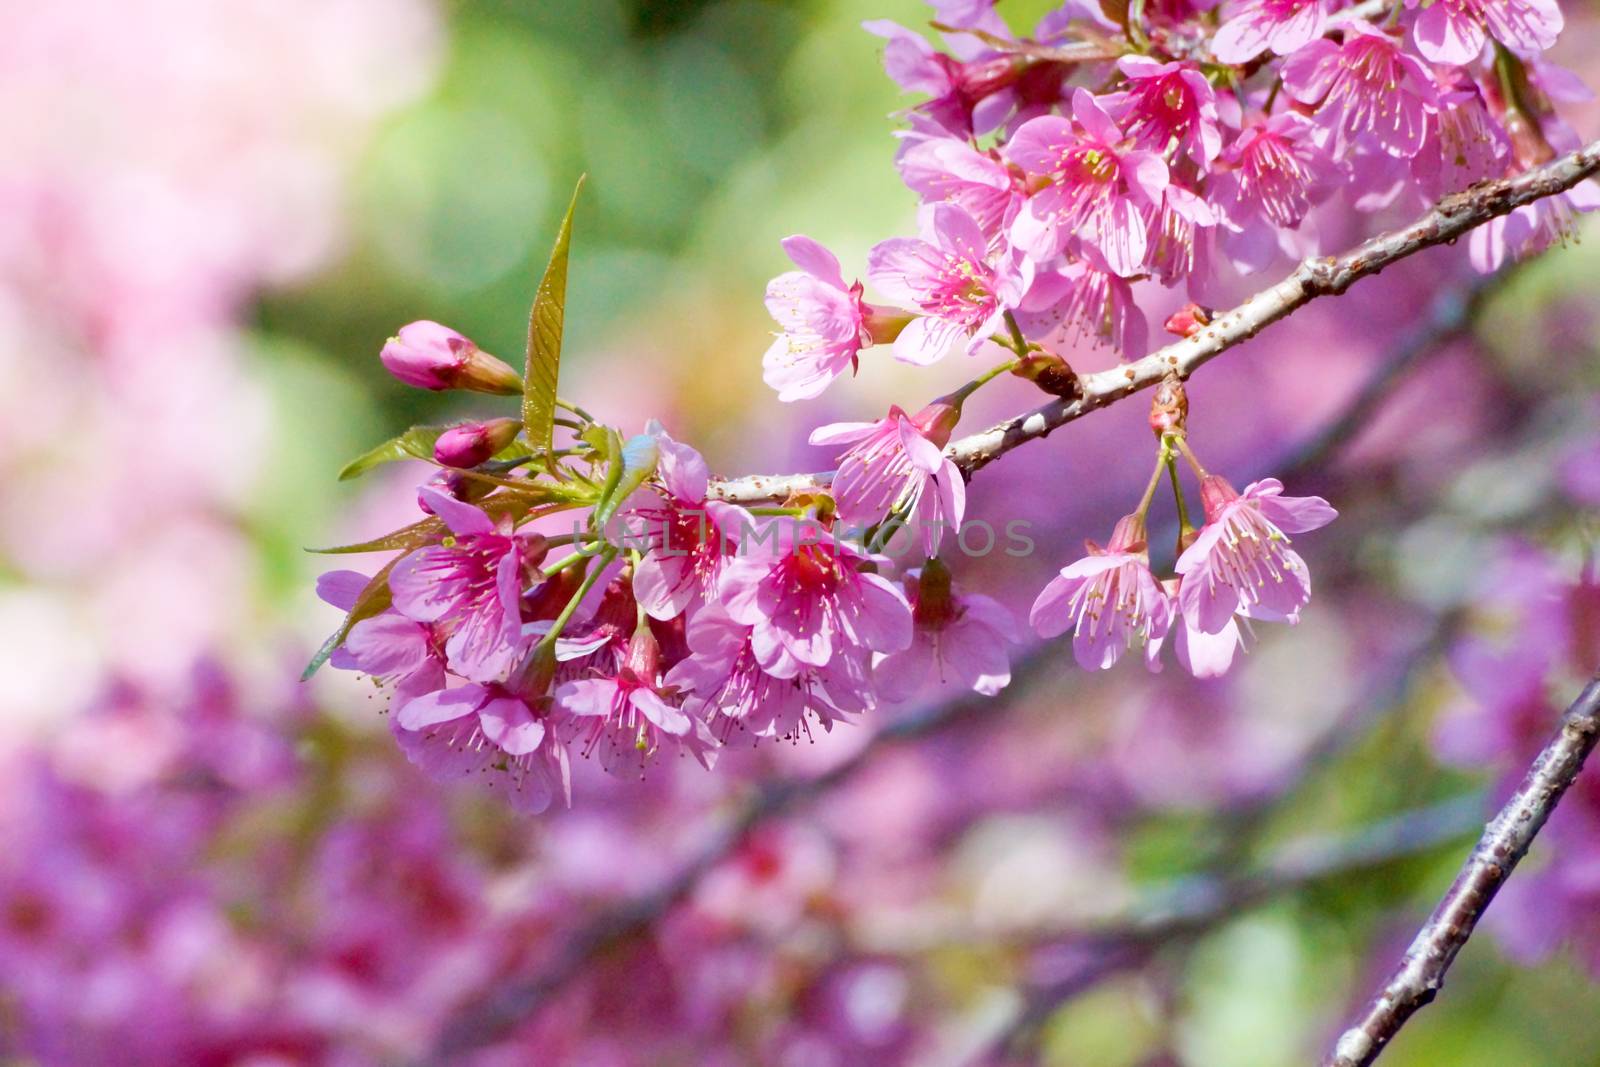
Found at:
(214, 215)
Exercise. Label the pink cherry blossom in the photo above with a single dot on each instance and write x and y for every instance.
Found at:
(1178, 235)
(1464, 144)
(1364, 88)
(1241, 563)
(1110, 600)
(631, 715)
(472, 587)
(959, 638)
(729, 685)
(950, 277)
(490, 734)
(1455, 31)
(1531, 228)
(1081, 302)
(397, 651)
(690, 536)
(896, 462)
(823, 319)
(1251, 27)
(1267, 181)
(1099, 192)
(943, 168)
(1164, 104)
(807, 597)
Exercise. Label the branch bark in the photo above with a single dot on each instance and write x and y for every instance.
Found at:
(1420, 974)
(1445, 222)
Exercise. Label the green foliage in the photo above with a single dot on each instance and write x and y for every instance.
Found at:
(415, 443)
(544, 339)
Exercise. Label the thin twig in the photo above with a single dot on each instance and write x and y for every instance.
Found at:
(1417, 978)
(1448, 220)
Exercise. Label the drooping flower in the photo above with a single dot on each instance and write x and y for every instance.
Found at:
(945, 169)
(824, 323)
(1266, 182)
(1251, 27)
(631, 715)
(806, 596)
(897, 462)
(1454, 32)
(959, 637)
(690, 536)
(1241, 562)
(1099, 192)
(1166, 104)
(1531, 228)
(1081, 302)
(1365, 87)
(470, 586)
(473, 443)
(491, 734)
(951, 278)
(1201, 654)
(430, 356)
(731, 687)
(1109, 599)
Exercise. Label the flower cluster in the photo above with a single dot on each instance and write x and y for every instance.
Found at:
(1179, 145)
(603, 596)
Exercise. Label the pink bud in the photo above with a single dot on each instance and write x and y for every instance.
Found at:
(475, 442)
(430, 356)
(1188, 320)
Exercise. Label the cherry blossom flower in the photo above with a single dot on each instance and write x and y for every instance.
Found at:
(632, 713)
(1464, 144)
(1166, 104)
(950, 277)
(471, 585)
(489, 733)
(1082, 302)
(957, 90)
(691, 536)
(897, 462)
(1242, 563)
(1099, 192)
(1266, 182)
(1201, 654)
(942, 168)
(807, 597)
(772, 695)
(1109, 599)
(958, 637)
(430, 356)
(1251, 27)
(824, 323)
(1455, 31)
(1531, 228)
(1365, 87)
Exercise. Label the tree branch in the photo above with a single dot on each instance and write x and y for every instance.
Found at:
(1448, 220)
(1417, 978)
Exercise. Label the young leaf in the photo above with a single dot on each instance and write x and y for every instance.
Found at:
(373, 599)
(415, 443)
(638, 463)
(544, 340)
(416, 535)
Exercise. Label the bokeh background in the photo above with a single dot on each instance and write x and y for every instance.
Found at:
(216, 212)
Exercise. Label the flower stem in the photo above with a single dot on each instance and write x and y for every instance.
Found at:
(984, 379)
(1163, 459)
(607, 554)
(1019, 343)
(1188, 454)
(1184, 525)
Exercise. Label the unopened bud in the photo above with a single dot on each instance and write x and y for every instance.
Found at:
(475, 442)
(1169, 408)
(1188, 320)
(430, 356)
(1050, 373)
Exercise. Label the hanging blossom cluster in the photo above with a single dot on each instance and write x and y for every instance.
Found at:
(568, 590)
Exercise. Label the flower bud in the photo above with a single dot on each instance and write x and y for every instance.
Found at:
(643, 658)
(1050, 373)
(475, 442)
(1188, 320)
(1169, 407)
(427, 355)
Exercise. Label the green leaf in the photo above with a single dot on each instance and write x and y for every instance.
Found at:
(373, 599)
(415, 443)
(416, 535)
(638, 462)
(544, 340)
